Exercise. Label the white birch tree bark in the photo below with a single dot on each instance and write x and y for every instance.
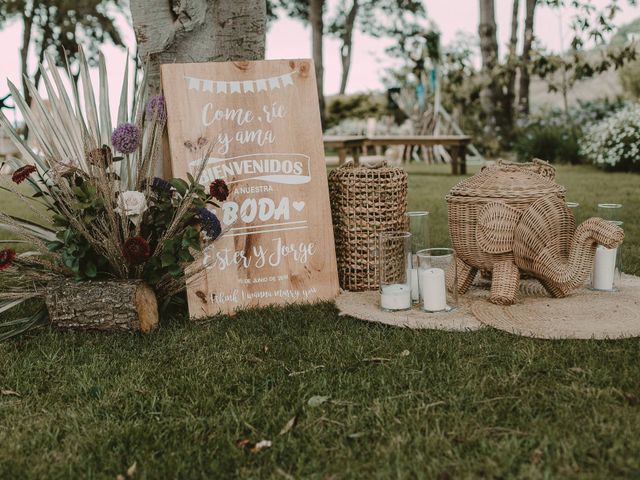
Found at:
(184, 31)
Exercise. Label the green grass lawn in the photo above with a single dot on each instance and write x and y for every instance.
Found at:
(401, 403)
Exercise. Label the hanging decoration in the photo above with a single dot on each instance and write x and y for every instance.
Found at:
(240, 86)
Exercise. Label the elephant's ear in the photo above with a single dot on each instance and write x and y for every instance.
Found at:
(496, 224)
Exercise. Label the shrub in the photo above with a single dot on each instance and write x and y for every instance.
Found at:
(614, 143)
(630, 79)
(554, 134)
(361, 105)
(554, 143)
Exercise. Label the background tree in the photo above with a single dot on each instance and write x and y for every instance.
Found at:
(316, 14)
(311, 12)
(171, 31)
(378, 18)
(342, 27)
(487, 31)
(59, 26)
(498, 92)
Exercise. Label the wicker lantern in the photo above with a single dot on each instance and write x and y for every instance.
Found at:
(365, 202)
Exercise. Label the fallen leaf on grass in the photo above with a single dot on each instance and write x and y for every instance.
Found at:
(10, 393)
(353, 436)
(405, 353)
(261, 445)
(536, 456)
(289, 425)
(247, 444)
(131, 471)
(317, 400)
(244, 443)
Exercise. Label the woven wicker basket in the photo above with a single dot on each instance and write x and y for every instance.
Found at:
(364, 203)
(512, 219)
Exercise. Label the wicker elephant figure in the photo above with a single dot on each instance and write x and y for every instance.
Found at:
(524, 227)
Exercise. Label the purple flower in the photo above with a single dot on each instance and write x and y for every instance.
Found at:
(126, 138)
(156, 108)
(209, 223)
(160, 185)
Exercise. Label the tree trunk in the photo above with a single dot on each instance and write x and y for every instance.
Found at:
(523, 97)
(347, 45)
(175, 31)
(27, 21)
(510, 97)
(115, 306)
(317, 31)
(490, 94)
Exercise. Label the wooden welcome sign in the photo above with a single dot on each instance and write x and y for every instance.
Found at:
(263, 124)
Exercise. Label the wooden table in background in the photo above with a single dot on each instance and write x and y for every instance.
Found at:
(343, 144)
(456, 144)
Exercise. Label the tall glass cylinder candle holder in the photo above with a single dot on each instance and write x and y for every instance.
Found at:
(419, 229)
(607, 267)
(574, 207)
(435, 265)
(610, 211)
(395, 271)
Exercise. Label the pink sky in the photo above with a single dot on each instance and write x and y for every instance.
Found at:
(369, 59)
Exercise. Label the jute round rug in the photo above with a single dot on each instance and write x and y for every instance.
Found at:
(365, 306)
(584, 314)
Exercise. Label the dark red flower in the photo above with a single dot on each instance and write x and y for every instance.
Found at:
(7, 256)
(21, 174)
(136, 250)
(219, 190)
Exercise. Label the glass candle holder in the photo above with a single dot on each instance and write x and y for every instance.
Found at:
(574, 208)
(395, 271)
(435, 266)
(419, 229)
(610, 211)
(607, 267)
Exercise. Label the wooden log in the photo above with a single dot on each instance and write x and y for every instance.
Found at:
(115, 306)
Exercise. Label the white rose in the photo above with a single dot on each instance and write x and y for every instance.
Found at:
(6, 169)
(132, 204)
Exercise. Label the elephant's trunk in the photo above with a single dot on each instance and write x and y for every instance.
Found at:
(569, 273)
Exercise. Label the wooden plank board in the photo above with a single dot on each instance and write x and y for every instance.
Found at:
(263, 121)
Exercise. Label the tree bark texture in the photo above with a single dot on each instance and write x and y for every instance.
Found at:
(523, 96)
(114, 306)
(27, 22)
(487, 31)
(510, 97)
(317, 31)
(191, 31)
(347, 45)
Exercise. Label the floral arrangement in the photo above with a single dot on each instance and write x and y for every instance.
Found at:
(96, 209)
(614, 142)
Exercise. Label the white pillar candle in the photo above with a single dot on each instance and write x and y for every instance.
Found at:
(395, 297)
(415, 288)
(434, 290)
(604, 268)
